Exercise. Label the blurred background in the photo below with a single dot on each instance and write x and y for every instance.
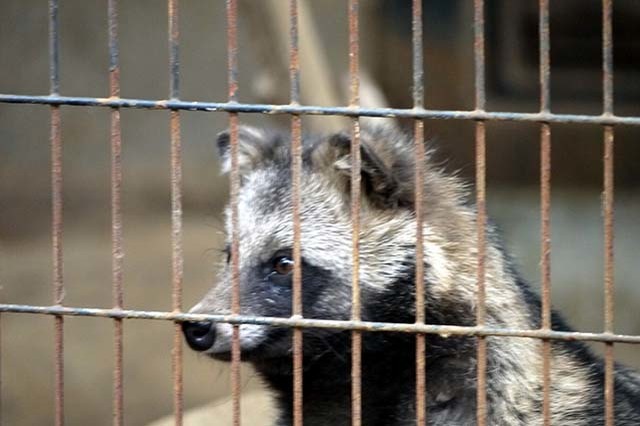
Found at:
(512, 168)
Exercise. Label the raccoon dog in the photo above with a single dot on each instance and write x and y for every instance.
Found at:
(387, 271)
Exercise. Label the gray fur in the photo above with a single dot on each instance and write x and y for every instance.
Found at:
(387, 261)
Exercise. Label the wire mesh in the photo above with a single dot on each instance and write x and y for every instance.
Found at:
(418, 113)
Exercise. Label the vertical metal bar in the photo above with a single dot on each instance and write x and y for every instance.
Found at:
(56, 194)
(418, 101)
(609, 280)
(57, 262)
(177, 260)
(545, 67)
(232, 54)
(545, 209)
(174, 49)
(545, 206)
(235, 266)
(54, 49)
(480, 97)
(117, 252)
(607, 56)
(356, 336)
(296, 171)
(608, 159)
(418, 61)
(478, 54)
(481, 309)
(294, 58)
(1, 422)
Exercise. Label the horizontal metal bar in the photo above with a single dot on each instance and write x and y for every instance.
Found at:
(442, 330)
(538, 117)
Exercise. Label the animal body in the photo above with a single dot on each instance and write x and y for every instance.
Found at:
(387, 275)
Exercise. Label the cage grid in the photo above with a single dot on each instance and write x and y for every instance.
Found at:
(297, 321)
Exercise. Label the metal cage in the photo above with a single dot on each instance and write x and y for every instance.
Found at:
(607, 119)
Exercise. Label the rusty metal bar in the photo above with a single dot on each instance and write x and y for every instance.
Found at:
(1, 371)
(478, 55)
(421, 408)
(57, 217)
(177, 258)
(609, 271)
(294, 57)
(354, 101)
(296, 172)
(117, 252)
(545, 206)
(177, 261)
(545, 161)
(235, 268)
(545, 265)
(1, 422)
(232, 50)
(481, 291)
(174, 49)
(347, 111)
(608, 198)
(232, 57)
(418, 102)
(545, 67)
(417, 53)
(480, 101)
(54, 49)
(58, 292)
(368, 326)
(607, 57)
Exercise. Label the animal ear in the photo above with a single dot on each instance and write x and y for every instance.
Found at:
(386, 172)
(252, 148)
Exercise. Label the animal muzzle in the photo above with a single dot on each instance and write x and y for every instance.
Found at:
(200, 336)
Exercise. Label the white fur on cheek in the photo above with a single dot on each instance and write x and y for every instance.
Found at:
(251, 335)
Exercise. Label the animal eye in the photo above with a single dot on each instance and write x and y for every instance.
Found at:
(283, 265)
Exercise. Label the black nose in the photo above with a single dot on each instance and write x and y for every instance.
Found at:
(199, 335)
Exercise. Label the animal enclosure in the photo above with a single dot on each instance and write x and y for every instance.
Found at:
(295, 110)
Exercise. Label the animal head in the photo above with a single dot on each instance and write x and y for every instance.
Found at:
(265, 228)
